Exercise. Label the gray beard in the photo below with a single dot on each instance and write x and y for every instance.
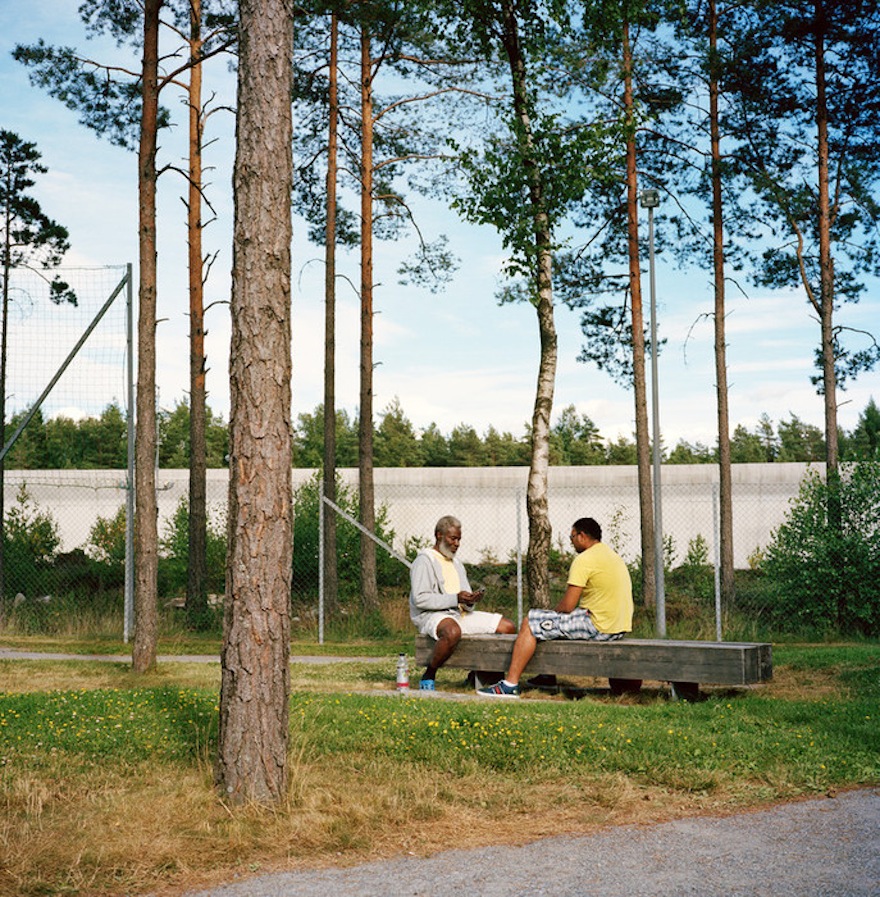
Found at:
(446, 551)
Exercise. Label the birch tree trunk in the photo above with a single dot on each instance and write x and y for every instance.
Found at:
(540, 530)
(253, 737)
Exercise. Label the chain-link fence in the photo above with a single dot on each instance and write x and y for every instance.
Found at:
(65, 529)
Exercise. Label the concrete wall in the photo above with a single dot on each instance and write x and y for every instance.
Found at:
(489, 501)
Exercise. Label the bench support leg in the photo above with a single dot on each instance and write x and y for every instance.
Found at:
(625, 686)
(685, 691)
(484, 678)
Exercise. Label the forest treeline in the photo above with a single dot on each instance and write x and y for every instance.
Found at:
(100, 442)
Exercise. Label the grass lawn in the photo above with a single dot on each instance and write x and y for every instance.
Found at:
(106, 777)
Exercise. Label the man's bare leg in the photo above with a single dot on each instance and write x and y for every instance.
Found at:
(523, 651)
(448, 636)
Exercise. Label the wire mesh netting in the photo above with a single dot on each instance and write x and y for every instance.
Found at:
(75, 519)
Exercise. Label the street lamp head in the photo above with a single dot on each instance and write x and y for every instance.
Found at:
(650, 198)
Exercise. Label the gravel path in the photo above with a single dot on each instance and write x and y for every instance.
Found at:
(816, 848)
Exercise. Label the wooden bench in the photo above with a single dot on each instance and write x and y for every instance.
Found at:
(625, 663)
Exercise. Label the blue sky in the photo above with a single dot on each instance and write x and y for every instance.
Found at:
(450, 358)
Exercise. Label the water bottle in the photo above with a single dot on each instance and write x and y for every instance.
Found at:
(402, 673)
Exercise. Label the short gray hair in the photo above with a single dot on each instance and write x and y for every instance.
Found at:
(446, 523)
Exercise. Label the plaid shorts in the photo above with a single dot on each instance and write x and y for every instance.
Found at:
(547, 625)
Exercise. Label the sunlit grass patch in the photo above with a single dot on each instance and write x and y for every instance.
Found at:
(717, 740)
(106, 787)
(127, 725)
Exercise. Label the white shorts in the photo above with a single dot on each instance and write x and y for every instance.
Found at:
(475, 622)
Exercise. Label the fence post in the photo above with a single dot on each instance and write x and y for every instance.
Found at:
(519, 589)
(716, 522)
(321, 562)
(128, 600)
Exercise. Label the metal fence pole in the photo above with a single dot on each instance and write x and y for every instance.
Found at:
(128, 601)
(716, 521)
(321, 564)
(519, 586)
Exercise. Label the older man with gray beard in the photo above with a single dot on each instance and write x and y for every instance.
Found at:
(441, 602)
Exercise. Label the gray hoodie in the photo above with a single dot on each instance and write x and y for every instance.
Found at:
(426, 595)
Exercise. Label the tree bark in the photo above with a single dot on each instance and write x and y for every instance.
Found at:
(366, 491)
(146, 623)
(826, 311)
(254, 737)
(540, 530)
(826, 260)
(331, 577)
(4, 347)
(196, 589)
(643, 439)
(728, 585)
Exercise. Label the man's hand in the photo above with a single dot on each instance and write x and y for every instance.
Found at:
(469, 599)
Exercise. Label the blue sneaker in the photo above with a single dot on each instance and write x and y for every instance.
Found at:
(499, 690)
(426, 685)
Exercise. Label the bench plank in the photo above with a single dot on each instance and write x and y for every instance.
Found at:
(662, 660)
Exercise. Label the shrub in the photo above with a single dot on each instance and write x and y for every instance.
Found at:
(697, 575)
(824, 573)
(389, 571)
(174, 553)
(30, 542)
(107, 540)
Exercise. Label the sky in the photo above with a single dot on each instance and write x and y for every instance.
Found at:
(451, 358)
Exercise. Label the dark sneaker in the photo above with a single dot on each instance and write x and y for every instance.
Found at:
(499, 690)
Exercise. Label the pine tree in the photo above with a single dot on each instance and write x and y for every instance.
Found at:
(28, 239)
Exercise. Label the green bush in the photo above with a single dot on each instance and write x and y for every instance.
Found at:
(30, 543)
(104, 558)
(174, 553)
(389, 571)
(824, 573)
(696, 576)
(107, 540)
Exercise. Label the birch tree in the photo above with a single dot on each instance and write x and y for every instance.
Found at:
(523, 180)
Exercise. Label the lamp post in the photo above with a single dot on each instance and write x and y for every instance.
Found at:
(650, 199)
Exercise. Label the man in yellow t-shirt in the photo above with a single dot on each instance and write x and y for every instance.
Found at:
(597, 605)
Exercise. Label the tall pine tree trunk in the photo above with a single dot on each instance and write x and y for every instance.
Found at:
(826, 261)
(540, 530)
(826, 312)
(728, 585)
(196, 588)
(146, 622)
(331, 577)
(643, 439)
(369, 588)
(253, 736)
